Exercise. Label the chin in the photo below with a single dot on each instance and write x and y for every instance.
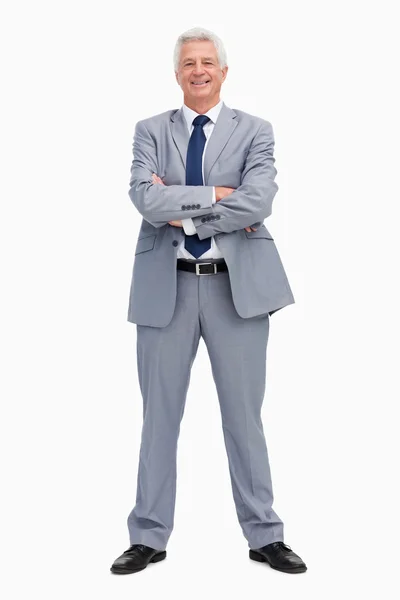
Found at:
(195, 92)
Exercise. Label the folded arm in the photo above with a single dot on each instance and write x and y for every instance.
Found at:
(190, 228)
(251, 202)
(159, 204)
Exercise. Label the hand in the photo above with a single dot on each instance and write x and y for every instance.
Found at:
(157, 179)
(251, 228)
(221, 192)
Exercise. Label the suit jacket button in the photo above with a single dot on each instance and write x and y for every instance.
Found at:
(174, 243)
(203, 220)
(197, 205)
(193, 206)
(183, 207)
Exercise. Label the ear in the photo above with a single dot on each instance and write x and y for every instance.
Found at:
(224, 73)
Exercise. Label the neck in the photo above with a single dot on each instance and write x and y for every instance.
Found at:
(201, 106)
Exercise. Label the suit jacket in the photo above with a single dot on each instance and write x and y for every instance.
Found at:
(239, 154)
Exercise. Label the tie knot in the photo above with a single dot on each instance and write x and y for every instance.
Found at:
(201, 120)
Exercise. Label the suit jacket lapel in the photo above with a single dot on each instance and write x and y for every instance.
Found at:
(223, 129)
(180, 133)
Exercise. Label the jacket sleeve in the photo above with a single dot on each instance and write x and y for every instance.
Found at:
(251, 202)
(158, 204)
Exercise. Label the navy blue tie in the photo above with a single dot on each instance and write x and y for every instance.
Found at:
(194, 176)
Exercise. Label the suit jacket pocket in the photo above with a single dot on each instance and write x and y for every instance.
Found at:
(145, 243)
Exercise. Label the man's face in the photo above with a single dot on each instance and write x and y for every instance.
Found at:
(199, 63)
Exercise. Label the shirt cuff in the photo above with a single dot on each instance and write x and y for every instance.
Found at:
(214, 196)
(188, 226)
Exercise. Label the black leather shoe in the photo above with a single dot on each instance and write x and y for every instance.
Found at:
(279, 556)
(136, 558)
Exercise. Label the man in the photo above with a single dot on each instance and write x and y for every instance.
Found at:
(205, 265)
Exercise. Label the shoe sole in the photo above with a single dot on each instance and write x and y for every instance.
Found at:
(156, 558)
(260, 558)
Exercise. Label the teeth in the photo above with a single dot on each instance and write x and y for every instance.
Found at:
(199, 83)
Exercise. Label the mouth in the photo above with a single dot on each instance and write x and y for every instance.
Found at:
(200, 83)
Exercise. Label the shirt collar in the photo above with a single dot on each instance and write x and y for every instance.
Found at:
(190, 114)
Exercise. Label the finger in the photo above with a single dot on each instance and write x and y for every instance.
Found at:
(254, 228)
(247, 228)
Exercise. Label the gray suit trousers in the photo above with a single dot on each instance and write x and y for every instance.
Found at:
(165, 355)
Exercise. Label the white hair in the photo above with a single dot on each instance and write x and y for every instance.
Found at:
(199, 33)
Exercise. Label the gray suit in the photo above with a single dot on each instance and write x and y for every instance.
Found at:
(239, 155)
(229, 310)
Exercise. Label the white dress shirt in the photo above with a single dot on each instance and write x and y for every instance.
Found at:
(187, 224)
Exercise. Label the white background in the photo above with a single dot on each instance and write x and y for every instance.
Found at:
(76, 77)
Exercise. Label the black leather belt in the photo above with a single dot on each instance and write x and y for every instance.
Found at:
(201, 268)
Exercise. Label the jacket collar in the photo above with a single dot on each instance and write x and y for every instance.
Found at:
(223, 129)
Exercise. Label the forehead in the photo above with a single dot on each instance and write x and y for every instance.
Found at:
(198, 49)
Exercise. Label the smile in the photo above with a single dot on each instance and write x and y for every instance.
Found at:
(200, 82)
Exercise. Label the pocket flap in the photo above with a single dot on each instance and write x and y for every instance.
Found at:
(145, 243)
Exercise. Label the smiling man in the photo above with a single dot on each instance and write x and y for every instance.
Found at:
(205, 266)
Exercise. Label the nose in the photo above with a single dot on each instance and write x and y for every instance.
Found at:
(198, 69)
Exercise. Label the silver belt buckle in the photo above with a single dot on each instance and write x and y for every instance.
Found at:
(206, 263)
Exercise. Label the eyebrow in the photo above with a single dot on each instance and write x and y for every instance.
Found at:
(204, 58)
